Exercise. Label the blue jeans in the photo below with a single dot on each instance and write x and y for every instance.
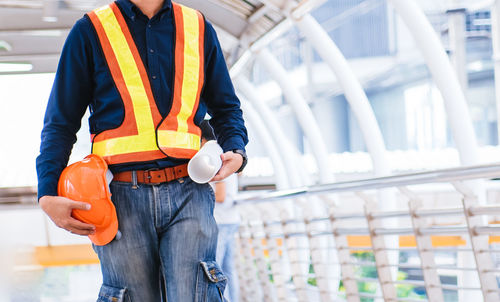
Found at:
(225, 257)
(168, 243)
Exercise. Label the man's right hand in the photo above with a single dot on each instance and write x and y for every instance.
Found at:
(59, 210)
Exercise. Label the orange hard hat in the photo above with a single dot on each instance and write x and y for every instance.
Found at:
(86, 181)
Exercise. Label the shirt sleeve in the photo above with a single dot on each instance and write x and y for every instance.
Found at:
(222, 103)
(70, 96)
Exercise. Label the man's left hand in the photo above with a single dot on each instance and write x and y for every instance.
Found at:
(231, 162)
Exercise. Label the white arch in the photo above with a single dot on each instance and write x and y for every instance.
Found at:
(279, 167)
(302, 112)
(353, 90)
(288, 152)
(444, 76)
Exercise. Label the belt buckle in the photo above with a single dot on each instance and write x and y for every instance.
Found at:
(147, 175)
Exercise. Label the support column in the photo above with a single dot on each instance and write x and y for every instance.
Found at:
(353, 91)
(458, 53)
(302, 112)
(495, 37)
(277, 162)
(444, 76)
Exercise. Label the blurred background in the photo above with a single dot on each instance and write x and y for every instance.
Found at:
(333, 91)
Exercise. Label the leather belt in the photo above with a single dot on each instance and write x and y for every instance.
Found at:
(153, 176)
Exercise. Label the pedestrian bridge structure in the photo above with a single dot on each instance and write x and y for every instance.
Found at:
(374, 161)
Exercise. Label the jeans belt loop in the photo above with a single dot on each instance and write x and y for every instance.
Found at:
(134, 179)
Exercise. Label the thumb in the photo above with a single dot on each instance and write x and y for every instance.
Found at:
(223, 156)
(80, 205)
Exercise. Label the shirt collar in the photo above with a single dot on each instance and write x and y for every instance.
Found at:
(130, 9)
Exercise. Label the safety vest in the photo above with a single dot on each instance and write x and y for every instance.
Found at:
(144, 135)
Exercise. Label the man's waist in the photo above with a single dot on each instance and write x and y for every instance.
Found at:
(152, 176)
(152, 165)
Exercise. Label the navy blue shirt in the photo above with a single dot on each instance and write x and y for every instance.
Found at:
(84, 80)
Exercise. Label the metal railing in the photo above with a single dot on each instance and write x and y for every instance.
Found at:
(378, 239)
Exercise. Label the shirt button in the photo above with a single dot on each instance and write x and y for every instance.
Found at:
(151, 51)
(149, 25)
(154, 77)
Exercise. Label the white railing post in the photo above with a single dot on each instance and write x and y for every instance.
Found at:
(318, 249)
(240, 266)
(379, 251)
(257, 234)
(344, 256)
(296, 247)
(480, 245)
(275, 259)
(253, 289)
(425, 249)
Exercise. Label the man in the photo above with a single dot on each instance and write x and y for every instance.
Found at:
(227, 218)
(149, 70)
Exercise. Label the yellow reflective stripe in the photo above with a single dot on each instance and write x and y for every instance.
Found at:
(145, 140)
(124, 145)
(177, 139)
(191, 76)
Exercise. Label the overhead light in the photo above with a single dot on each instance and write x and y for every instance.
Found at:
(50, 8)
(15, 67)
(43, 32)
(49, 19)
(475, 66)
(4, 46)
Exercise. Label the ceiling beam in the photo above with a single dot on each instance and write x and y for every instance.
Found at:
(220, 15)
(19, 19)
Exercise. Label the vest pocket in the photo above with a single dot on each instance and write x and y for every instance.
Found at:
(211, 282)
(113, 294)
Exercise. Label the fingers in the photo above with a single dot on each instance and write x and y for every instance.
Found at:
(223, 173)
(231, 162)
(59, 210)
(79, 205)
(77, 227)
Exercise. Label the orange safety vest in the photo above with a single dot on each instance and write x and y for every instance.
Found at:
(143, 134)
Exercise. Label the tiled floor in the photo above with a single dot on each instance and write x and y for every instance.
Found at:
(55, 284)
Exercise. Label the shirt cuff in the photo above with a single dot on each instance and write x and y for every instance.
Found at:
(48, 188)
(233, 143)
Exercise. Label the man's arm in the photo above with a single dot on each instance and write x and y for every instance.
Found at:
(69, 98)
(220, 191)
(223, 106)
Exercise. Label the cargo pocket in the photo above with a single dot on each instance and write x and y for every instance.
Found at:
(113, 294)
(211, 282)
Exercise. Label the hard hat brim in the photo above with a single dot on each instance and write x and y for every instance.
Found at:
(105, 235)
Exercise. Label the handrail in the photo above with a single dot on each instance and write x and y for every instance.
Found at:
(438, 176)
(309, 238)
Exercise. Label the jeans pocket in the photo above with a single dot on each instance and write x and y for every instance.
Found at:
(113, 294)
(211, 282)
